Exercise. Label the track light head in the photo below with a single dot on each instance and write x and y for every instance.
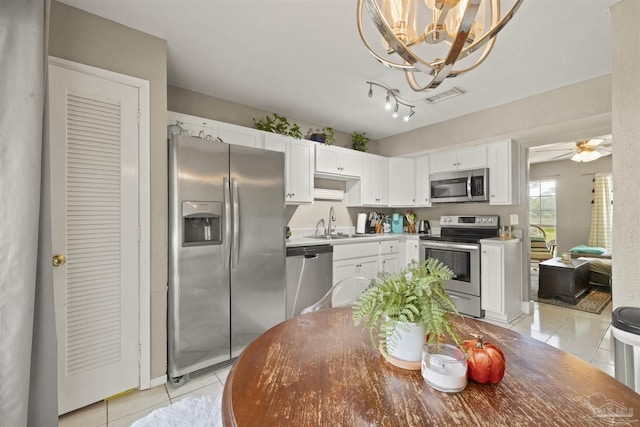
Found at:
(387, 105)
(370, 91)
(395, 111)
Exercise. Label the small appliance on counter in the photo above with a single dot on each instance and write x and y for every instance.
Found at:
(396, 223)
(361, 223)
(424, 227)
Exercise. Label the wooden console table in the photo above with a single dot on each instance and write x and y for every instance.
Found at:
(319, 369)
(567, 281)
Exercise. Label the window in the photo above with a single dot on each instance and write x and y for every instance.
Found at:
(542, 206)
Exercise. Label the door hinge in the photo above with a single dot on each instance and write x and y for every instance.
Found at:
(139, 352)
(139, 116)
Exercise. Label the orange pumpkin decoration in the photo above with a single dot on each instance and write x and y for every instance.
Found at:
(485, 361)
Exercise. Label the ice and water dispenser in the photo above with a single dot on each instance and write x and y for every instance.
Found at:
(201, 223)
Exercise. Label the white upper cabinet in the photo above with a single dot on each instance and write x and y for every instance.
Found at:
(194, 125)
(240, 135)
(503, 160)
(338, 162)
(463, 159)
(423, 189)
(374, 180)
(299, 159)
(402, 182)
(211, 129)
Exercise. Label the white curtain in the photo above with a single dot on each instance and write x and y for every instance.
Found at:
(601, 212)
(27, 330)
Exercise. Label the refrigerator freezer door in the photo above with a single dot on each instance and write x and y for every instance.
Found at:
(258, 255)
(198, 304)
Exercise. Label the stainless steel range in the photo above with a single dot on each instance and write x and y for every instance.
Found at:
(458, 246)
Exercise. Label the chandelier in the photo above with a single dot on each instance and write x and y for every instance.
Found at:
(447, 31)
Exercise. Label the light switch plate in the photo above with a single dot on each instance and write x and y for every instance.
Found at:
(513, 218)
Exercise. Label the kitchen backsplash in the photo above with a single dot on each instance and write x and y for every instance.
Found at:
(307, 216)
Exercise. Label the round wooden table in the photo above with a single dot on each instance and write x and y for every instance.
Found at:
(319, 369)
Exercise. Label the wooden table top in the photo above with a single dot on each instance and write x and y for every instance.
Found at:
(319, 369)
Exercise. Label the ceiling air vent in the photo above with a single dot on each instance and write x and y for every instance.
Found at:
(444, 95)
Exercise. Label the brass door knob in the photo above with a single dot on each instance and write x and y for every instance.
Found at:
(59, 260)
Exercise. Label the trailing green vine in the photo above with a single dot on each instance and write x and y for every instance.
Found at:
(278, 124)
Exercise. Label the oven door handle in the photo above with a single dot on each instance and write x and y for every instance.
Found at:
(449, 245)
(469, 195)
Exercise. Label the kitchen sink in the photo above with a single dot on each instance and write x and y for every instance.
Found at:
(339, 236)
(329, 237)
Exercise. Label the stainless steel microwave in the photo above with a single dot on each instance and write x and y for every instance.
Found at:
(460, 186)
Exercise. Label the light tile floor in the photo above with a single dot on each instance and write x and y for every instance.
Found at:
(585, 335)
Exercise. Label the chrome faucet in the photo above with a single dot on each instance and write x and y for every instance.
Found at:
(332, 217)
(321, 221)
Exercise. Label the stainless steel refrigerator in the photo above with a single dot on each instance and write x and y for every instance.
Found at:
(226, 250)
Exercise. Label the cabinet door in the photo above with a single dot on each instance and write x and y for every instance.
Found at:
(491, 278)
(443, 162)
(402, 182)
(389, 264)
(374, 180)
(344, 269)
(423, 187)
(367, 267)
(300, 167)
(382, 180)
(504, 179)
(350, 162)
(326, 159)
(472, 157)
(412, 251)
(364, 267)
(239, 135)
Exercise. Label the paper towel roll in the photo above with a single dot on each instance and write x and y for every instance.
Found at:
(360, 225)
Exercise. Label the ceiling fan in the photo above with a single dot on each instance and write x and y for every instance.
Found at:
(585, 150)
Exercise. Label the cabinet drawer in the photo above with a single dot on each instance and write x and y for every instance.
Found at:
(389, 247)
(355, 250)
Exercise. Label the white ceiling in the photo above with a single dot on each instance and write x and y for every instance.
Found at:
(304, 58)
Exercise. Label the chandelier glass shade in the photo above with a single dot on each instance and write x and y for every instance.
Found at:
(431, 36)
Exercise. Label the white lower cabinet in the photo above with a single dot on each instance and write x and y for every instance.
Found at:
(358, 267)
(355, 259)
(389, 256)
(501, 278)
(412, 250)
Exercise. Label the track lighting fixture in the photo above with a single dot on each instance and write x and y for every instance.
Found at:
(408, 116)
(393, 94)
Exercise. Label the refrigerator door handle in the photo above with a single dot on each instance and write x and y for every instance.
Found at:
(235, 246)
(227, 222)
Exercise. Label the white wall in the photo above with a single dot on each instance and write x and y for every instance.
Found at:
(626, 135)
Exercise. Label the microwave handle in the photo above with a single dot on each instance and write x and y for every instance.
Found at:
(469, 195)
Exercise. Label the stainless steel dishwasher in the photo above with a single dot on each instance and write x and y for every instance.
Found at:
(309, 276)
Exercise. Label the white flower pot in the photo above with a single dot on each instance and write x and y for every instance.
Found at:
(408, 345)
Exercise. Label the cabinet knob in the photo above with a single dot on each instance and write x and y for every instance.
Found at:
(293, 194)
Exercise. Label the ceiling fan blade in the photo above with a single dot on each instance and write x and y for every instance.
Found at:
(552, 149)
(561, 155)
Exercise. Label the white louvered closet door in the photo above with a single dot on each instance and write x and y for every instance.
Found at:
(94, 216)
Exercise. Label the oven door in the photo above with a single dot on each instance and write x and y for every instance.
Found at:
(462, 258)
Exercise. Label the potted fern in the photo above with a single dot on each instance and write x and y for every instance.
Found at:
(408, 309)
